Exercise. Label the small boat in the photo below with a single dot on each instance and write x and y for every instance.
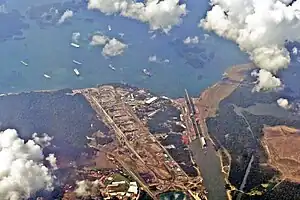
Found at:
(24, 63)
(146, 72)
(111, 67)
(74, 45)
(47, 76)
(109, 27)
(76, 72)
(77, 62)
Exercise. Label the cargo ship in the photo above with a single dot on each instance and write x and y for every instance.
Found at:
(24, 63)
(77, 62)
(147, 73)
(75, 45)
(47, 76)
(76, 72)
(111, 67)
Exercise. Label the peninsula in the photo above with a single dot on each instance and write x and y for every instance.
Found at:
(110, 141)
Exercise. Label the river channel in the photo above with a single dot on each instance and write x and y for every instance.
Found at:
(210, 167)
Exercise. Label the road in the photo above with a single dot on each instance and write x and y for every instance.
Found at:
(245, 178)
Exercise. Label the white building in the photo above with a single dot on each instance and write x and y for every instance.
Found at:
(151, 100)
(133, 188)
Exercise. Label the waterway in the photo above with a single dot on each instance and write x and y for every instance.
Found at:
(53, 54)
(210, 167)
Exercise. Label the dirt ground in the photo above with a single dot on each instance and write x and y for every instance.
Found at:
(102, 161)
(209, 100)
(283, 149)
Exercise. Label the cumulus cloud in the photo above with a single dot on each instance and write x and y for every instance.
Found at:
(295, 50)
(191, 40)
(153, 36)
(113, 48)
(43, 140)
(284, 103)
(265, 80)
(152, 58)
(52, 160)
(160, 14)
(85, 188)
(99, 40)
(260, 28)
(22, 172)
(155, 59)
(75, 37)
(67, 14)
(3, 8)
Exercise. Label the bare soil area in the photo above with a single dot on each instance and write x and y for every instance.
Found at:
(283, 149)
(209, 100)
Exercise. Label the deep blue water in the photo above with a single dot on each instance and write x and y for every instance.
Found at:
(47, 50)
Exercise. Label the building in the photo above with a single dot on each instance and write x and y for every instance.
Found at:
(151, 100)
(133, 188)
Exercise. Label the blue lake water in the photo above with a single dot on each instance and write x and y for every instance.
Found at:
(48, 51)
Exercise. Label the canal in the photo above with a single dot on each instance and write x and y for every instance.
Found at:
(210, 167)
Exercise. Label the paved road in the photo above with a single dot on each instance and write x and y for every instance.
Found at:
(210, 167)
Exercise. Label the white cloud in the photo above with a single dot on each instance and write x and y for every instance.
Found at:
(67, 14)
(152, 58)
(22, 172)
(153, 36)
(3, 8)
(166, 61)
(295, 50)
(113, 48)
(43, 140)
(85, 187)
(206, 36)
(155, 59)
(99, 40)
(260, 28)
(191, 40)
(284, 103)
(82, 188)
(160, 14)
(75, 37)
(265, 80)
(52, 160)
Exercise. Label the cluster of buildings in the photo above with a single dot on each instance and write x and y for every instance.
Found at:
(103, 185)
(122, 190)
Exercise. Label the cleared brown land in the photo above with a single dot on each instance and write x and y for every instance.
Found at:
(283, 149)
(103, 162)
(209, 100)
